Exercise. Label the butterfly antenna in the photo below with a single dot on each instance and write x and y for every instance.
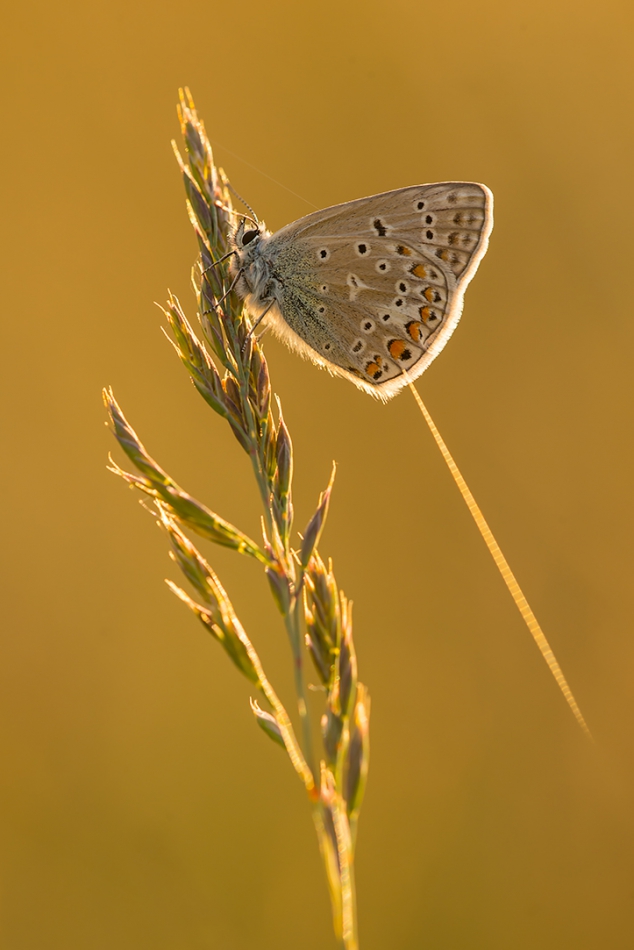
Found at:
(246, 204)
(503, 566)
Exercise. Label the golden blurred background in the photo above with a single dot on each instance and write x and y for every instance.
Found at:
(141, 806)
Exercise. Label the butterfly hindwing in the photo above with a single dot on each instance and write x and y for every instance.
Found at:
(373, 288)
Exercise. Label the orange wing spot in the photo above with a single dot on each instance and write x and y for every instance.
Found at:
(429, 294)
(415, 330)
(426, 314)
(444, 255)
(374, 370)
(419, 271)
(403, 251)
(396, 348)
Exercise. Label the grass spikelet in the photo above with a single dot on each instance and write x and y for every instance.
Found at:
(228, 368)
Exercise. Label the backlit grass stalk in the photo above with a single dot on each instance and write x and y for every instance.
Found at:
(229, 370)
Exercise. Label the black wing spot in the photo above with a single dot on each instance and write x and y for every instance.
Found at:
(380, 228)
(386, 317)
(428, 219)
(362, 248)
(430, 235)
(420, 205)
(324, 253)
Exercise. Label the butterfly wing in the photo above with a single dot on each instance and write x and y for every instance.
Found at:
(373, 288)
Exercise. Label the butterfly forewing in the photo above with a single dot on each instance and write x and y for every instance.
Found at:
(449, 217)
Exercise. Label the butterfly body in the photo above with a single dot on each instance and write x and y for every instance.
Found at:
(371, 289)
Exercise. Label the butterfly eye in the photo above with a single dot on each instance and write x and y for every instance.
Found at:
(248, 236)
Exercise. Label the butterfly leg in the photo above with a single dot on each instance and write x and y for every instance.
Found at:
(219, 261)
(256, 324)
(235, 280)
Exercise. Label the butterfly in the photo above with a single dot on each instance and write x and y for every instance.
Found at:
(371, 289)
